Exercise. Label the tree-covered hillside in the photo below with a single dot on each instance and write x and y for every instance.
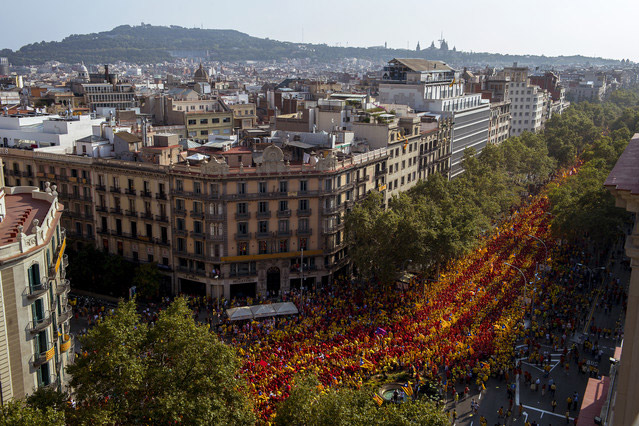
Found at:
(151, 44)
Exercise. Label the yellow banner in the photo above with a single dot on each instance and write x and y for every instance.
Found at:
(66, 345)
(59, 260)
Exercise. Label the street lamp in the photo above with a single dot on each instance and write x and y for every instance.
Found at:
(591, 272)
(525, 282)
(545, 248)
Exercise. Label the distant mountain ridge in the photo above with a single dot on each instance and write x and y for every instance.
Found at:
(147, 44)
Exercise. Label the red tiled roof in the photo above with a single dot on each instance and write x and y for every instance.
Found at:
(21, 210)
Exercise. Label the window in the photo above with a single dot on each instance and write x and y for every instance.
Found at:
(242, 208)
(262, 226)
(262, 206)
(283, 225)
(283, 205)
(199, 247)
(204, 121)
(34, 276)
(283, 186)
(302, 224)
(242, 228)
(197, 227)
(261, 187)
(226, 120)
(192, 122)
(204, 132)
(180, 224)
(181, 244)
(241, 188)
(303, 186)
(283, 246)
(328, 184)
(242, 248)
(215, 120)
(179, 185)
(197, 187)
(179, 204)
(303, 205)
(303, 244)
(263, 247)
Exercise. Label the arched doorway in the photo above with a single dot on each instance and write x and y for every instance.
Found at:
(273, 281)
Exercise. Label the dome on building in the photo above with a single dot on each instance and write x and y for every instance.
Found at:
(200, 75)
(83, 73)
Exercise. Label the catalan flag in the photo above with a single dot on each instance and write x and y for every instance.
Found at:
(364, 363)
(378, 399)
(452, 83)
(408, 390)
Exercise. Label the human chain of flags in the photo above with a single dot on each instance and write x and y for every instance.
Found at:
(466, 321)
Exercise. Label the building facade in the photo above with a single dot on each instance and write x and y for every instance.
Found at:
(213, 229)
(435, 87)
(35, 340)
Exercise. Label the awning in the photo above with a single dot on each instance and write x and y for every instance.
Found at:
(262, 311)
(197, 157)
(302, 145)
(285, 308)
(238, 314)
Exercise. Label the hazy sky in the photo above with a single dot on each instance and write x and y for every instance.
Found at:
(550, 27)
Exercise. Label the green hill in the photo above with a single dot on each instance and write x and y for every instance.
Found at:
(152, 44)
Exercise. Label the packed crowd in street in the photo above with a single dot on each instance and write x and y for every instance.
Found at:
(457, 331)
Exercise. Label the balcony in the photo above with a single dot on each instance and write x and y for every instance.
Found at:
(305, 212)
(284, 213)
(181, 232)
(243, 215)
(218, 237)
(42, 357)
(37, 290)
(197, 214)
(146, 194)
(160, 196)
(116, 210)
(332, 209)
(200, 235)
(304, 232)
(160, 241)
(380, 172)
(246, 236)
(103, 209)
(179, 212)
(162, 218)
(65, 260)
(362, 179)
(101, 188)
(264, 215)
(215, 216)
(65, 315)
(130, 191)
(38, 325)
(63, 287)
(115, 189)
(263, 235)
(146, 215)
(283, 233)
(66, 344)
(131, 213)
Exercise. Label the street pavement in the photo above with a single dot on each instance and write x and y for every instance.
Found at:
(537, 407)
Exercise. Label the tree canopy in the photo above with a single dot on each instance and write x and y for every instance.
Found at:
(172, 371)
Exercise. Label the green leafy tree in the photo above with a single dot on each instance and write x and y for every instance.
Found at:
(307, 405)
(147, 279)
(17, 413)
(174, 371)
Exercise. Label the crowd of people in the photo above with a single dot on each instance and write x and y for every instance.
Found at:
(456, 331)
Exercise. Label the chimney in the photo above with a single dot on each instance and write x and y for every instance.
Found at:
(106, 73)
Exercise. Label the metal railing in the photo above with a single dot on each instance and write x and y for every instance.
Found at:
(63, 287)
(38, 325)
(37, 290)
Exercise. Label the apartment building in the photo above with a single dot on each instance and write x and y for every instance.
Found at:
(529, 103)
(35, 340)
(433, 86)
(217, 227)
(499, 125)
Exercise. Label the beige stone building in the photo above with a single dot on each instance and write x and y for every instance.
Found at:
(623, 182)
(35, 340)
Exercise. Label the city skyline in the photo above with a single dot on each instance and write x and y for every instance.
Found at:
(495, 26)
